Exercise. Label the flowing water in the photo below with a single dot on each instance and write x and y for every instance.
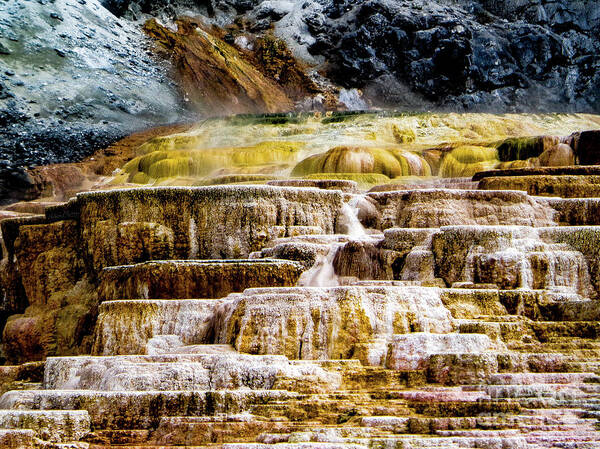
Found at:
(349, 213)
(322, 273)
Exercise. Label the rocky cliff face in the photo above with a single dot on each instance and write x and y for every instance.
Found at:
(460, 54)
(475, 55)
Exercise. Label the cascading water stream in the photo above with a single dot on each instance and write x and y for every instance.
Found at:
(349, 212)
(322, 273)
(526, 275)
(194, 249)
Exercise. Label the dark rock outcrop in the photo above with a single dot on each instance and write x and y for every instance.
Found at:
(478, 56)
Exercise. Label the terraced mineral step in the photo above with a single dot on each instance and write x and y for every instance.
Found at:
(411, 351)
(221, 429)
(513, 257)
(501, 353)
(17, 439)
(125, 327)
(280, 320)
(577, 170)
(582, 329)
(558, 391)
(429, 425)
(187, 372)
(575, 211)
(566, 186)
(49, 425)
(181, 279)
(202, 222)
(419, 184)
(141, 409)
(327, 184)
(310, 441)
(435, 208)
(543, 378)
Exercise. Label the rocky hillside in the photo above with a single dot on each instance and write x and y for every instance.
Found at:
(464, 54)
(74, 79)
(77, 75)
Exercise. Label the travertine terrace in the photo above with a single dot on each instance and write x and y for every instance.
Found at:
(443, 313)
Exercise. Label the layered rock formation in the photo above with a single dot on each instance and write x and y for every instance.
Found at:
(305, 314)
(369, 148)
(109, 229)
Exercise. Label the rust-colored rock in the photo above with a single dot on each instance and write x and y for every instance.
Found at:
(129, 242)
(360, 259)
(22, 339)
(214, 75)
(48, 258)
(194, 279)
